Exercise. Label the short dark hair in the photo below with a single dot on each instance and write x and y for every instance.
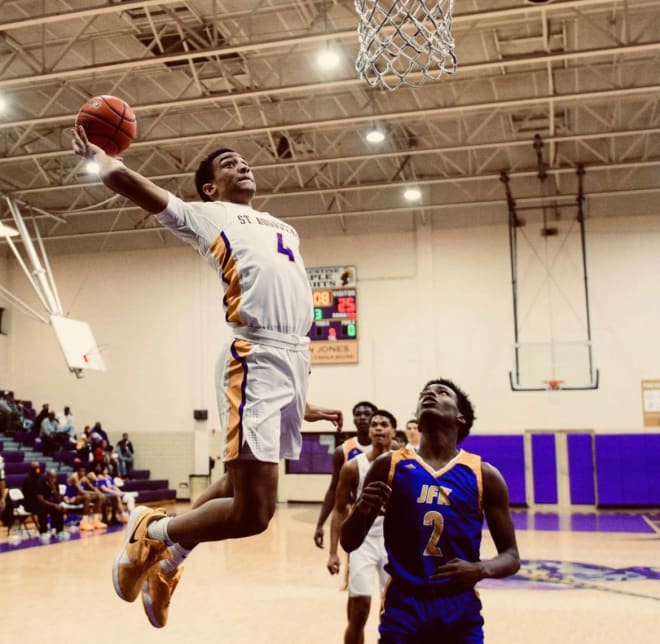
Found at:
(364, 403)
(204, 172)
(464, 405)
(384, 412)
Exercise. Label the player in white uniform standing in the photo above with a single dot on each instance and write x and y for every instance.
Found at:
(262, 375)
(370, 558)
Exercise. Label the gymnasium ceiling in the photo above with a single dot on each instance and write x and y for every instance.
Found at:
(583, 74)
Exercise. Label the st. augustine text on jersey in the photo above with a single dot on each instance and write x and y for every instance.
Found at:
(263, 221)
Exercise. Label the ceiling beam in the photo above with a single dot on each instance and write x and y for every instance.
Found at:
(404, 210)
(308, 89)
(292, 163)
(408, 115)
(96, 10)
(386, 185)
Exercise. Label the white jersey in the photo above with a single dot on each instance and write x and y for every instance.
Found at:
(257, 258)
(364, 464)
(371, 557)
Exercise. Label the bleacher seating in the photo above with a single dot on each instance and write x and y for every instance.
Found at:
(23, 447)
(149, 490)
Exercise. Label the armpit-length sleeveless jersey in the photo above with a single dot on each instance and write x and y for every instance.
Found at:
(257, 258)
(432, 516)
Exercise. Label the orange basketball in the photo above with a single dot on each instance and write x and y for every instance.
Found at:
(109, 123)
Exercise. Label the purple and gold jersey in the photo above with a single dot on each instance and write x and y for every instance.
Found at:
(257, 258)
(432, 516)
(352, 448)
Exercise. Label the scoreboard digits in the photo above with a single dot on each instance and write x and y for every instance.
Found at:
(333, 333)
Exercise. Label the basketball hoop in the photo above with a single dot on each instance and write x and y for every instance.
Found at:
(403, 39)
(553, 385)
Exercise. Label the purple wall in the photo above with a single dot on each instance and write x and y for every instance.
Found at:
(507, 454)
(544, 458)
(581, 468)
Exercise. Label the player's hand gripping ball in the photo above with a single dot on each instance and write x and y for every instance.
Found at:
(108, 122)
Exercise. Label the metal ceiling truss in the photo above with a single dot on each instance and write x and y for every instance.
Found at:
(582, 73)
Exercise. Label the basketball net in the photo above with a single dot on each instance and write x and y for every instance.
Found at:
(404, 41)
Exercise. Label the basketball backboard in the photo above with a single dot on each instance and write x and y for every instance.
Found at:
(77, 342)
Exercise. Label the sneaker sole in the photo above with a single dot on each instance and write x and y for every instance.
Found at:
(130, 528)
(149, 605)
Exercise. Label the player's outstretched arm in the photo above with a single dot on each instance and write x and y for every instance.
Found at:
(120, 179)
(348, 482)
(329, 498)
(375, 494)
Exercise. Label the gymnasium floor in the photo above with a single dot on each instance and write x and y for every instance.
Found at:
(586, 578)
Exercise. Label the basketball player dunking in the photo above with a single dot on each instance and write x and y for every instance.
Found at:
(262, 374)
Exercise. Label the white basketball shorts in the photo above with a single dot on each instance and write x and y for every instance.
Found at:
(367, 562)
(262, 389)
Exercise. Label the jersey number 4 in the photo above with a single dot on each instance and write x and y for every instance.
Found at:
(437, 521)
(281, 248)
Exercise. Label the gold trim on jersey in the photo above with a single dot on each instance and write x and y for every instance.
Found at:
(236, 397)
(352, 443)
(233, 293)
(473, 461)
(219, 249)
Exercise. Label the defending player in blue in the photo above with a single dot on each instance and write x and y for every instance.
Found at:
(435, 501)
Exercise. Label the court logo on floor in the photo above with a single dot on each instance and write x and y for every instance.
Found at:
(550, 574)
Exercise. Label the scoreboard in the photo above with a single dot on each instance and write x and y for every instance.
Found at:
(333, 333)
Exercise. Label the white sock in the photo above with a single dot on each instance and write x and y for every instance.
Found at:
(158, 530)
(178, 555)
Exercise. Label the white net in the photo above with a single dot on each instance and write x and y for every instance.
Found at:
(404, 41)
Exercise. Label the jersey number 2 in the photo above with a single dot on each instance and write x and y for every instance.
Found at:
(281, 248)
(437, 521)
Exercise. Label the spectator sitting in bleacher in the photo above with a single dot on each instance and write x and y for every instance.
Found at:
(125, 456)
(41, 500)
(100, 432)
(80, 486)
(105, 483)
(41, 416)
(49, 432)
(10, 418)
(92, 503)
(65, 435)
(84, 446)
(104, 457)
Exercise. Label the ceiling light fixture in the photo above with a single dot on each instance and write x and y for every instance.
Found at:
(7, 231)
(91, 167)
(328, 58)
(412, 193)
(374, 135)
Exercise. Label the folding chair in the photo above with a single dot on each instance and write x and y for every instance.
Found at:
(20, 516)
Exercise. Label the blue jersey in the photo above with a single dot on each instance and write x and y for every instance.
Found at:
(432, 516)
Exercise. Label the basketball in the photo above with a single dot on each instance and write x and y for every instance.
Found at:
(109, 123)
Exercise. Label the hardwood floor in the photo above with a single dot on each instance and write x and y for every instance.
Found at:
(274, 589)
